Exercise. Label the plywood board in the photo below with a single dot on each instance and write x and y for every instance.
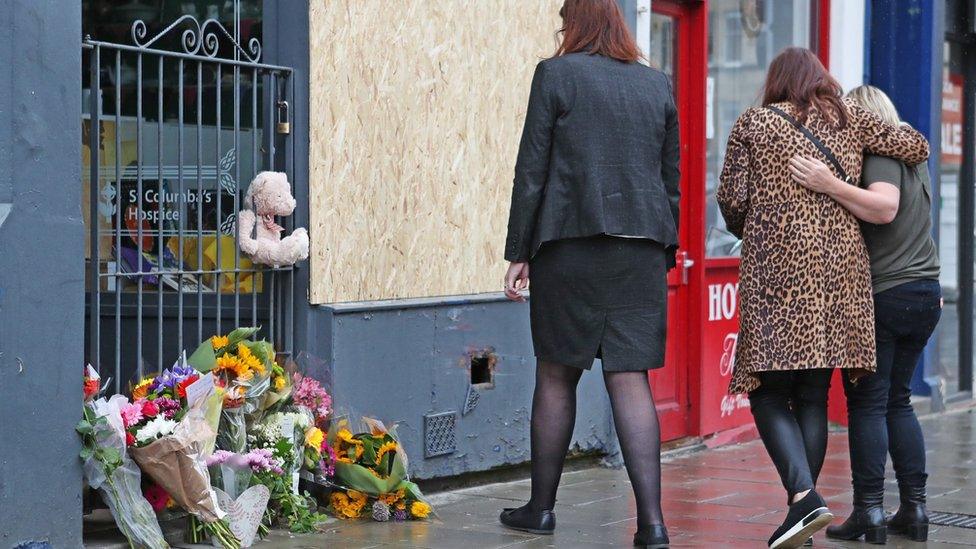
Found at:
(416, 111)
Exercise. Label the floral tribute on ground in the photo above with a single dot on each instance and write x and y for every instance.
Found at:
(371, 476)
(227, 436)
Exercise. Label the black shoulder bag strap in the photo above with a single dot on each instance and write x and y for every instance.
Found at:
(813, 139)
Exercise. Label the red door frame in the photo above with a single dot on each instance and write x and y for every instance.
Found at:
(692, 72)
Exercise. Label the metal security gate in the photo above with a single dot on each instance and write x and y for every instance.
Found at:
(176, 125)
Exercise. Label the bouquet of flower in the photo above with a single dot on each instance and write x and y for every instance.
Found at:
(277, 394)
(308, 392)
(243, 369)
(245, 497)
(169, 440)
(109, 469)
(233, 472)
(371, 474)
(285, 436)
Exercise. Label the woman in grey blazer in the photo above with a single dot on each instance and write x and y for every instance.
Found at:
(594, 216)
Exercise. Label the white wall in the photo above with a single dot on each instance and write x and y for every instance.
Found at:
(847, 42)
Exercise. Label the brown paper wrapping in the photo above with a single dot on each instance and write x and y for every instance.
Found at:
(176, 463)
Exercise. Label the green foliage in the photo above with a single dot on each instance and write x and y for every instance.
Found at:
(88, 428)
(298, 511)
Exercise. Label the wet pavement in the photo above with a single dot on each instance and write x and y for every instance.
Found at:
(723, 497)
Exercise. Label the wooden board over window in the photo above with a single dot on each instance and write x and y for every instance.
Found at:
(416, 112)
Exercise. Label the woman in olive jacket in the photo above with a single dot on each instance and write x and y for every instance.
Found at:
(893, 202)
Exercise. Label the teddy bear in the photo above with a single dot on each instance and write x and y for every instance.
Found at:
(269, 195)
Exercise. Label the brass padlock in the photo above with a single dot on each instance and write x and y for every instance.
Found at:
(283, 126)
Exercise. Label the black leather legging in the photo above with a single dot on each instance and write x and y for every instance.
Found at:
(790, 409)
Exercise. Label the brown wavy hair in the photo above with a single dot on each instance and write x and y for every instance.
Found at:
(596, 27)
(798, 77)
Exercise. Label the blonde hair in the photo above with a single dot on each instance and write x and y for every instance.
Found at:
(876, 101)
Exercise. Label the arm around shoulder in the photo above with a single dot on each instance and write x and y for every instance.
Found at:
(902, 142)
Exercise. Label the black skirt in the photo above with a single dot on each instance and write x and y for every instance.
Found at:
(600, 297)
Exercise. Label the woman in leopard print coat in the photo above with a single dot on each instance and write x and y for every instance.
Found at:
(805, 284)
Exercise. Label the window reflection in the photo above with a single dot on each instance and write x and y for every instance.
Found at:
(744, 36)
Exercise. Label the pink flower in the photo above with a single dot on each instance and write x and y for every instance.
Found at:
(131, 414)
(218, 457)
(157, 497)
(308, 392)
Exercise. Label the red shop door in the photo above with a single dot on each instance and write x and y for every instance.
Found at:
(674, 32)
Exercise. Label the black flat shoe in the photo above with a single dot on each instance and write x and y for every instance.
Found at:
(542, 522)
(654, 536)
(804, 519)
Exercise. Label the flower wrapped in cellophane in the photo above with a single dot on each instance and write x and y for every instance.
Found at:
(371, 476)
(109, 469)
(243, 369)
(285, 436)
(169, 435)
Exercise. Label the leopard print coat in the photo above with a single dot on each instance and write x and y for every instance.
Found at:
(805, 284)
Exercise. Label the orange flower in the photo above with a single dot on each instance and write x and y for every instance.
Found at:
(141, 389)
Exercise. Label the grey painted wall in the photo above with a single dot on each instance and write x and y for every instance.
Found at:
(399, 361)
(41, 272)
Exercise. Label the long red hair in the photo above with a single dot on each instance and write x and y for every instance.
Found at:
(798, 77)
(596, 27)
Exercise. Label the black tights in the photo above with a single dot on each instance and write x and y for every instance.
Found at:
(635, 418)
(790, 409)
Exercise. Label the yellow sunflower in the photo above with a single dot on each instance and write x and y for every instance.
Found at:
(219, 342)
(388, 447)
(343, 507)
(227, 363)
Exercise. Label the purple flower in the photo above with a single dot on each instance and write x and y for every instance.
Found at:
(172, 377)
(167, 406)
(381, 511)
(400, 515)
(327, 463)
(262, 460)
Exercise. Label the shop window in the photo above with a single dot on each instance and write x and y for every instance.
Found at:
(733, 38)
(749, 34)
(948, 208)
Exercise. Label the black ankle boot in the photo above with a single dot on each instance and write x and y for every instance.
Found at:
(867, 519)
(524, 519)
(911, 520)
(654, 536)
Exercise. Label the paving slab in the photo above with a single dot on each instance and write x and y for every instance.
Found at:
(724, 497)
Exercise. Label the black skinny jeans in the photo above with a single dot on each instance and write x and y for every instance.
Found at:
(790, 409)
(879, 410)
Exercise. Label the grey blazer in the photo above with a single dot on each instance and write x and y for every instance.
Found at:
(599, 155)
